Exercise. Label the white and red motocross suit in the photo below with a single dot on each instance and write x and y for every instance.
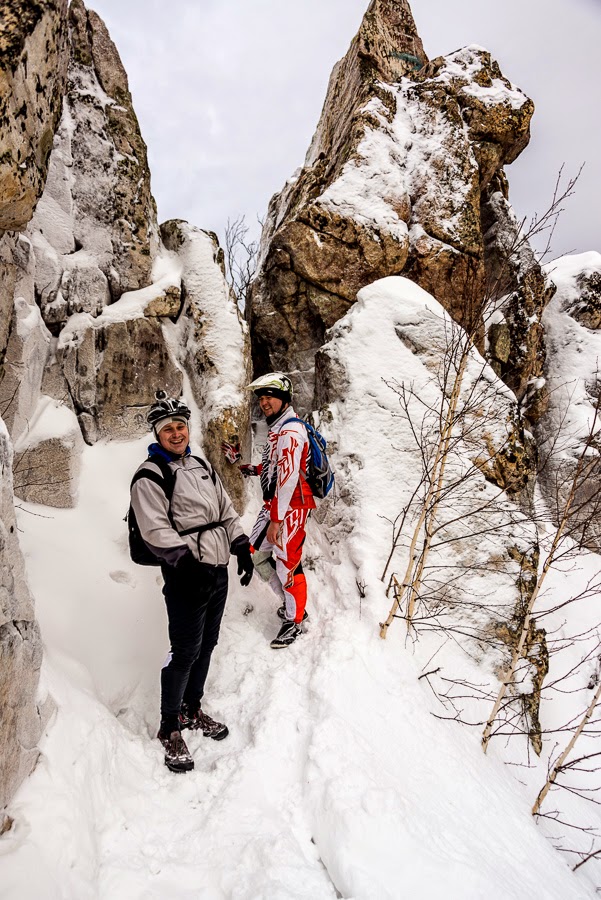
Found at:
(288, 500)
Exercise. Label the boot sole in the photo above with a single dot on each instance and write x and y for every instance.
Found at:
(181, 769)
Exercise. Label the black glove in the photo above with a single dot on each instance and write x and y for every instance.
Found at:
(241, 549)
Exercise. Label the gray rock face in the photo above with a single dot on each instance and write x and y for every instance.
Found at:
(405, 154)
(32, 79)
(20, 647)
(27, 348)
(33, 53)
(114, 211)
(95, 232)
(213, 347)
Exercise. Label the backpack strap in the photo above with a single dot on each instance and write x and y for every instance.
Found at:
(166, 481)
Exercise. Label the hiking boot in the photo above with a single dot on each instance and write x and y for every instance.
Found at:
(199, 721)
(287, 634)
(282, 613)
(177, 755)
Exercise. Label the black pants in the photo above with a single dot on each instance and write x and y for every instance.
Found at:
(195, 599)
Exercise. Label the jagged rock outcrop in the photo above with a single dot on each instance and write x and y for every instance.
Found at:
(404, 157)
(95, 232)
(213, 347)
(572, 323)
(519, 292)
(33, 54)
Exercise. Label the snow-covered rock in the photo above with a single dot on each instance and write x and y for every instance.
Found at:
(382, 380)
(95, 230)
(393, 183)
(27, 349)
(572, 323)
(211, 343)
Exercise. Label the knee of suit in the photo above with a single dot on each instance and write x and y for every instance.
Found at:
(297, 586)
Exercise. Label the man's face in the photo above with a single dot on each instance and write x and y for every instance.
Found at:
(174, 437)
(270, 406)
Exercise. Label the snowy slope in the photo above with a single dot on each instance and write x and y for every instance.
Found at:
(336, 780)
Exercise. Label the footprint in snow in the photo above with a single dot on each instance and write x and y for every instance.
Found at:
(122, 577)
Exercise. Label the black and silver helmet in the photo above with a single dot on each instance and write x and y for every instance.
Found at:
(166, 407)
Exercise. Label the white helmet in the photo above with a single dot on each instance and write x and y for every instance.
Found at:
(274, 384)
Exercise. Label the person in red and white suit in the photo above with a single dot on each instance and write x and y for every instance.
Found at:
(288, 501)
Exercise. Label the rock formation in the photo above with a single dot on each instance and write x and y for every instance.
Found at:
(212, 345)
(33, 44)
(89, 299)
(481, 527)
(404, 174)
(32, 79)
(572, 323)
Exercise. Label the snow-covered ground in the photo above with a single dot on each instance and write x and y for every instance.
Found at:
(336, 779)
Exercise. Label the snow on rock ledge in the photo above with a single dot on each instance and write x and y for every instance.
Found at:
(396, 335)
(393, 183)
(572, 323)
(48, 456)
(211, 343)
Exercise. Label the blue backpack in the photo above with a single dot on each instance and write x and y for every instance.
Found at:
(320, 477)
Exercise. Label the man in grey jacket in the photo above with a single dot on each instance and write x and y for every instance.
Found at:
(192, 534)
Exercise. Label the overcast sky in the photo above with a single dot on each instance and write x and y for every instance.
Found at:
(228, 94)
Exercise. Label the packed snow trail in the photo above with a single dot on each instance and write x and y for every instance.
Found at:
(335, 781)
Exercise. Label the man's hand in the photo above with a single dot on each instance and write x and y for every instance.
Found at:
(273, 533)
(247, 470)
(231, 451)
(241, 549)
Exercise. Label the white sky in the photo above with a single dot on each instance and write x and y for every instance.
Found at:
(228, 94)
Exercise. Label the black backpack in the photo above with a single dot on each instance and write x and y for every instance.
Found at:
(138, 549)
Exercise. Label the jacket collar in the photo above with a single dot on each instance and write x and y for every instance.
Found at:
(283, 417)
(155, 449)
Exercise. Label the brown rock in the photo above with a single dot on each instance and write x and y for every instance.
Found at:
(393, 183)
(33, 42)
(167, 304)
(113, 369)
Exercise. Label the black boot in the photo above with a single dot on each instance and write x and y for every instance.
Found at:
(287, 634)
(177, 755)
(200, 721)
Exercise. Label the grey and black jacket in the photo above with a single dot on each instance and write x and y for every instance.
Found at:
(197, 500)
